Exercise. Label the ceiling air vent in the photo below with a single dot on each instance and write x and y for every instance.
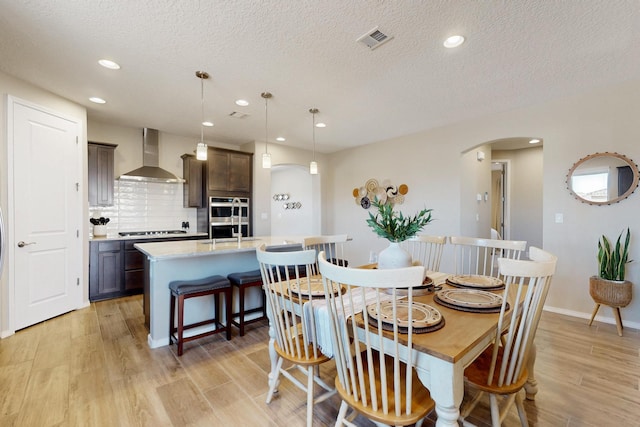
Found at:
(374, 38)
(238, 115)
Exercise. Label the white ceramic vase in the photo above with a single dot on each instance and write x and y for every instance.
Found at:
(394, 257)
(99, 230)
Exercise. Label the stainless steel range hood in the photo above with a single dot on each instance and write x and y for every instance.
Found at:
(150, 171)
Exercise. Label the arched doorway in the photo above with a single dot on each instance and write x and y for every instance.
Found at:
(502, 187)
(295, 201)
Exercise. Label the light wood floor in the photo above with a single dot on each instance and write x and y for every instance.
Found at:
(93, 367)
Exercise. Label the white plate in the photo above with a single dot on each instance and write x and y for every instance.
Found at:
(423, 315)
(470, 298)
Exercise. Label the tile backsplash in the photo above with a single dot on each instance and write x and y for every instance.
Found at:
(145, 206)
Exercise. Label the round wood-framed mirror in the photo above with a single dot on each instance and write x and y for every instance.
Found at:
(603, 178)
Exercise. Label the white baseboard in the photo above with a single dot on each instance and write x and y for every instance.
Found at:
(157, 343)
(599, 318)
(6, 334)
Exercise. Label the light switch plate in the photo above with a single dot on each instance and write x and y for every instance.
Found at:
(559, 218)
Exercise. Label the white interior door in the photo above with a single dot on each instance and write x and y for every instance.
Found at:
(45, 214)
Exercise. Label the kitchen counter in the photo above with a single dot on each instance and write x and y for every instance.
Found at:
(191, 260)
(195, 248)
(116, 236)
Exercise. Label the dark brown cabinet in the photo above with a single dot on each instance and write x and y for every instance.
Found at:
(133, 267)
(105, 270)
(100, 173)
(116, 267)
(192, 171)
(228, 172)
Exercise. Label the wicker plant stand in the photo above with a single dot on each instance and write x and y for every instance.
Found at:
(615, 294)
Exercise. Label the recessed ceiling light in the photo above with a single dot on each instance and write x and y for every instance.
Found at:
(321, 125)
(107, 63)
(281, 139)
(97, 100)
(453, 41)
(242, 102)
(207, 123)
(534, 141)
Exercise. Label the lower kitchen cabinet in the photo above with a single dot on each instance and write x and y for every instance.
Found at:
(105, 279)
(116, 267)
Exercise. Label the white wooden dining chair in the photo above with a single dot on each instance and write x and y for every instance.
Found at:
(291, 329)
(333, 247)
(474, 255)
(501, 370)
(425, 250)
(383, 387)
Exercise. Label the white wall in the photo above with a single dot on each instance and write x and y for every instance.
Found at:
(475, 182)
(426, 163)
(430, 163)
(20, 89)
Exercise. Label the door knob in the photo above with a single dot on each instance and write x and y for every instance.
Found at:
(22, 244)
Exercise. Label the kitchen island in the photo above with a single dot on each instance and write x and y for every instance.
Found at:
(190, 260)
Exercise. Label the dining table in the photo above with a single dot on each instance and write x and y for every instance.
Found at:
(440, 356)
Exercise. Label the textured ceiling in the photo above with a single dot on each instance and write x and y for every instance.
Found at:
(517, 53)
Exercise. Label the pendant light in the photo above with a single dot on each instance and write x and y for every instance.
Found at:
(201, 149)
(266, 157)
(313, 166)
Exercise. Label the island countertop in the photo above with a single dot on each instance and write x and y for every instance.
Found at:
(194, 248)
(192, 260)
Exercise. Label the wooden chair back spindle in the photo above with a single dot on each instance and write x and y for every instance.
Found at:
(381, 385)
(501, 370)
(473, 255)
(425, 250)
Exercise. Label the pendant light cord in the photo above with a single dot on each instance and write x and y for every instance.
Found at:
(202, 110)
(266, 119)
(314, 135)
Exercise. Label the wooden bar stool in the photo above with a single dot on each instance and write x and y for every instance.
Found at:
(185, 289)
(242, 281)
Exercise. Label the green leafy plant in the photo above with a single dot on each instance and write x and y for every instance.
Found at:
(394, 226)
(612, 260)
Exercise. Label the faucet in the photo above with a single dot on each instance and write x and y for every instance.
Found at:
(233, 205)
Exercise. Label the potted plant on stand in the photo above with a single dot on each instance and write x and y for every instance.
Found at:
(610, 287)
(395, 227)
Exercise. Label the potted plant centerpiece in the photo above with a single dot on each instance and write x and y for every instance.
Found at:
(610, 286)
(395, 227)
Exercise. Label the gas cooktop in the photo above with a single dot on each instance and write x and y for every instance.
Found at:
(151, 233)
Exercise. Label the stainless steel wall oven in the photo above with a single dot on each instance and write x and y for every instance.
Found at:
(229, 216)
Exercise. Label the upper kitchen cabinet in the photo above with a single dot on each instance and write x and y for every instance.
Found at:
(228, 172)
(192, 169)
(100, 173)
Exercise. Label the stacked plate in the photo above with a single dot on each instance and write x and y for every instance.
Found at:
(424, 289)
(315, 288)
(472, 300)
(424, 317)
(474, 281)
